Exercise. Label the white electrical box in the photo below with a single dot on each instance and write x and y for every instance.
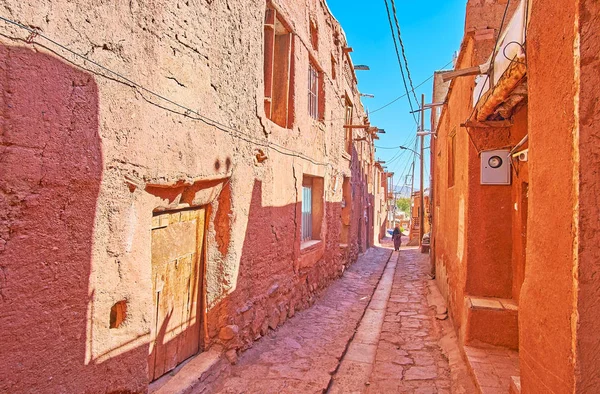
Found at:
(495, 167)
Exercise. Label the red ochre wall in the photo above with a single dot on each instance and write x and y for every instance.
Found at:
(50, 176)
(546, 309)
(587, 372)
(85, 161)
(560, 300)
(451, 201)
(472, 223)
(520, 207)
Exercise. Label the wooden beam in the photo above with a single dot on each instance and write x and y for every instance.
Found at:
(450, 75)
(498, 124)
(356, 126)
(347, 49)
(484, 34)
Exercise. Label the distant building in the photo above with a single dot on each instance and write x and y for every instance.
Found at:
(415, 220)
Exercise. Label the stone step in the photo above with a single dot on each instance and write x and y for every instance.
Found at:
(493, 368)
(492, 321)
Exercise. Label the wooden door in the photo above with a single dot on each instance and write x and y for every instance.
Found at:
(177, 242)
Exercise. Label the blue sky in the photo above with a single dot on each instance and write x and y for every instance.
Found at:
(431, 30)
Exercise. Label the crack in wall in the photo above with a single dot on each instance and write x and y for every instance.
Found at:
(176, 81)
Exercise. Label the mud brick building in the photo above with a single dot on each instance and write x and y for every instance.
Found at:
(515, 180)
(178, 176)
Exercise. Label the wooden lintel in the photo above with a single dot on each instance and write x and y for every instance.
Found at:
(356, 126)
(497, 124)
(449, 75)
(484, 34)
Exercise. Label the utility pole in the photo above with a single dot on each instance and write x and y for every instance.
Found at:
(422, 196)
(412, 190)
(391, 188)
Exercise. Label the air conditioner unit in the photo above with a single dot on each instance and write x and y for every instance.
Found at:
(495, 167)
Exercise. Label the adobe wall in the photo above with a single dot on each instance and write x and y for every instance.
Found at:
(450, 205)
(520, 205)
(470, 252)
(492, 218)
(89, 158)
(587, 376)
(546, 308)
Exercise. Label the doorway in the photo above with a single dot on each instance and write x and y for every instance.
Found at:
(177, 266)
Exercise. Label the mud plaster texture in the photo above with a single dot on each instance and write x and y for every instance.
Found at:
(560, 356)
(87, 159)
(461, 240)
(558, 298)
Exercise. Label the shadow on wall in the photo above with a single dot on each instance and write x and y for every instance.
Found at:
(50, 174)
(272, 282)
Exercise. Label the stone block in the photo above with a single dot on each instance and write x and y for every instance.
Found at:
(227, 333)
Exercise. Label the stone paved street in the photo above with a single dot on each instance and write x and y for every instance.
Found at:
(409, 358)
(305, 355)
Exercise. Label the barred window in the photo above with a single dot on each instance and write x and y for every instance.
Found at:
(306, 213)
(313, 188)
(313, 91)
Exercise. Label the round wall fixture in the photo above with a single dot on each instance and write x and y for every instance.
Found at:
(495, 161)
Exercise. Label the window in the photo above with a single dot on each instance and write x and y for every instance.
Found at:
(312, 207)
(313, 91)
(348, 122)
(306, 213)
(278, 70)
(452, 159)
(346, 210)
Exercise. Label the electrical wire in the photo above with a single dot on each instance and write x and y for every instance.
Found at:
(399, 163)
(387, 8)
(404, 52)
(187, 112)
(404, 173)
(418, 86)
(404, 95)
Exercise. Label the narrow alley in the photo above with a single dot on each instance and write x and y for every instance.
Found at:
(299, 196)
(372, 331)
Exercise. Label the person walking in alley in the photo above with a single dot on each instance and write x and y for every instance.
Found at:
(397, 238)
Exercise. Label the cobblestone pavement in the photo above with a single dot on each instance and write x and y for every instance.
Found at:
(302, 355)
(409, 358)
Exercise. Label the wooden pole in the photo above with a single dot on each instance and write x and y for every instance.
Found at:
(422, 196)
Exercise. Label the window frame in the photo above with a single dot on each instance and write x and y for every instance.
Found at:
(312, 208)
(307, 201)
(452, 159)
(279, 66)
(314, 81)
(348, 118)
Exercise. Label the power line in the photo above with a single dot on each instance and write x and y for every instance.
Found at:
(405, 94)
(404, 52)
(409, 164)
(418, 86)
(34, 33)
(387, 8)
